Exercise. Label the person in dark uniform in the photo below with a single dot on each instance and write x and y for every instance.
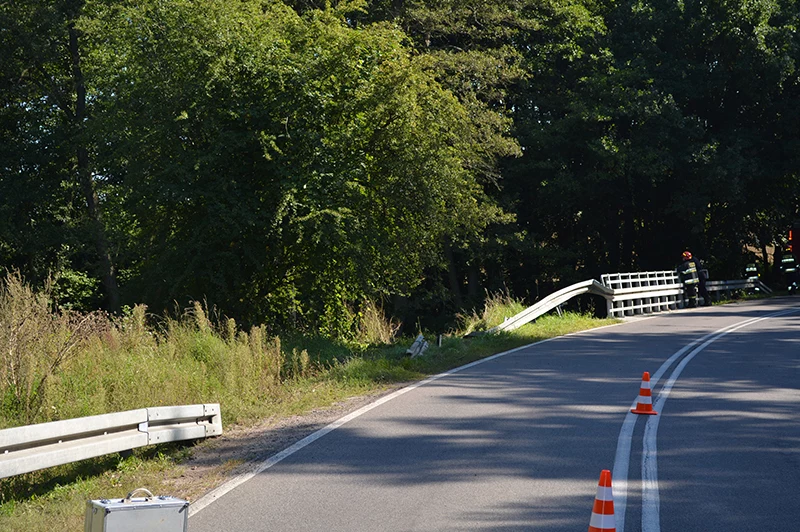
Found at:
(751, 276)
(790, 270)
(694, 279)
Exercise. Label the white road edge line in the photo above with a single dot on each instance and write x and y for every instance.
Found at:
(237, 481)
(651, 503)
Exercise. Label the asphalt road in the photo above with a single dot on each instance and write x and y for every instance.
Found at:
(517, 442)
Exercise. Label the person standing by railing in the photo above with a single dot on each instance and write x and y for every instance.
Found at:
(789, 269)
(694, 278)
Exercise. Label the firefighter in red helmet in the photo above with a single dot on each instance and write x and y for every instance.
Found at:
(694, 278)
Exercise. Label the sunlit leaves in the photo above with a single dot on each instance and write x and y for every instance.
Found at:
(280, 166)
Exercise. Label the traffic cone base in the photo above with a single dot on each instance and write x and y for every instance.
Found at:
(644, 405)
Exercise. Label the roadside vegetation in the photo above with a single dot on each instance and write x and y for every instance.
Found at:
(60, 364)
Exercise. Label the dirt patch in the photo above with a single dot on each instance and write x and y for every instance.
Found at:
(240, 448)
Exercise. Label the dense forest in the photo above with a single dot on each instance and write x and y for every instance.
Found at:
(287, 161)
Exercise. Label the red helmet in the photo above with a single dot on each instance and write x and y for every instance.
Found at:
(687, 255)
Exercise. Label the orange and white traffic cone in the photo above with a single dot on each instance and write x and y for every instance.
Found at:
(603, 511)
(645, 403)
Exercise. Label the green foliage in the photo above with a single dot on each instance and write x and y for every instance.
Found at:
(285, 161)
(38, 210)
(76, 290)
(50, 179)
(653, 141)
(283, 167)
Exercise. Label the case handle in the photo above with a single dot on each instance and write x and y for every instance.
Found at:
(137, 490)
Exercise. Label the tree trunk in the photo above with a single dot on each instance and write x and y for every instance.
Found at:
(84, 176)
(628, 236)
(473, 281)
(455, 286)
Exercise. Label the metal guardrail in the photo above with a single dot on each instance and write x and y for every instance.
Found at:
(550, 302)
(629, 281)
(34, 447)
(739, 284)
(627, 294)
(646, 292)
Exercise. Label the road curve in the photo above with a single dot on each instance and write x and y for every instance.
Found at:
(517, 442)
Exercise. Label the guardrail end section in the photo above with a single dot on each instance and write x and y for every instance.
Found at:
(214, 426)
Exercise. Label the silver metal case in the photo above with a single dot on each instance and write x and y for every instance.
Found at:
(137, 514)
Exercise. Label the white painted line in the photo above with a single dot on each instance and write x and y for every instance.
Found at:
(651, 502)
(623, 454)
(620, 471)
(232, 484)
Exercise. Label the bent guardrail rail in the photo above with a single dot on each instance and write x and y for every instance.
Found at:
(34, 447)
(626, 294)
(550, 302)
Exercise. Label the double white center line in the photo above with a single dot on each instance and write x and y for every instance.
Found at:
(650, 497)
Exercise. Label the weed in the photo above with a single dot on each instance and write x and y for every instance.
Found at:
(373, 327)
(496, 308)
(36, 342)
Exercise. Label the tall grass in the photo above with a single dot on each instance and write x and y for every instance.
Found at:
(496, 308)
(36, 343)
(373, 327)
(61, 364)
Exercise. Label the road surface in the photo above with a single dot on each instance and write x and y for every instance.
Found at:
(517, 441)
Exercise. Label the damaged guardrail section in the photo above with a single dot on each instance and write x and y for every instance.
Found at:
(34, 447)
(626, 294)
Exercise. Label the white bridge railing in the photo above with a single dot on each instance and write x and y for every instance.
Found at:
(642, 292)
(627, 294)
(34, 447)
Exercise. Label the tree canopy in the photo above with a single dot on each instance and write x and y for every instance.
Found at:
(286, 161)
